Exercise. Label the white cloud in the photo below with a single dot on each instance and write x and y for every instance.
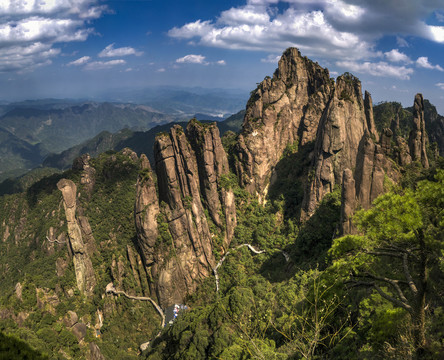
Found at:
(309, 31)
(197, 28)
(161, 70)
(101, 65)
(331, 29)
(440, 85)
(274, 59)
(87, 9)
(110, 51)
(39, 25)
(25, 58)
(395, 55)
(437, 33)
(423, 62)
(377, 69)
(192, 59)
(221, 62)
(82, 61)
(250, 15)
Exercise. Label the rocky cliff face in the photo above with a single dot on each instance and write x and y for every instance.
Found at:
(82, 263)
(418, 135)
(213, 166)
(300, 104)
(340, 135)
(173, 229)
(146, 210)
(282, 111)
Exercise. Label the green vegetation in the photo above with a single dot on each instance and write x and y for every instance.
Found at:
(332, 299)
(309, 295)
(49, 291)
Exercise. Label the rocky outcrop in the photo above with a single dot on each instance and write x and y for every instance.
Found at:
(348, 202)
(213, 170)
(82, 263)
(339, 136)
(368, 106)
(282, 111)
(188, 256)
(88, 172)
(173, 222)
(402, 151)
(386, 141)
(146, 210)
(418, 135)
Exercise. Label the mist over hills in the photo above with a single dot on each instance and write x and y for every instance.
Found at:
(33, 129)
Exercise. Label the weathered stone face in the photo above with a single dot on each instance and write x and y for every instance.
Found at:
(146, 209)
(82, 263)
(212, 164)
(190, 256)
(283, 110)
(173, 230)
(418, 136)
(340, 132)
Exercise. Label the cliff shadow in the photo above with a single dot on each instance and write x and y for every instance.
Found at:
(288, 179)
(310, 248)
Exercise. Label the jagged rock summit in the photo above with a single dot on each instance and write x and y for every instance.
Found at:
(282, 111)
(173, 229)
(301, 106)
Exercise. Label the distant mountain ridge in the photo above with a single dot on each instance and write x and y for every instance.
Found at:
(139, 141)
(31, 130)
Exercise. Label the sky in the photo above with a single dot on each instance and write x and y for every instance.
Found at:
(85, 48)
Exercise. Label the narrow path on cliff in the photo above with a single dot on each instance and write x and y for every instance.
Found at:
(110, 289)
(216, 275)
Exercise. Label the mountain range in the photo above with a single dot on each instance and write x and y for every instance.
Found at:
(312, 231)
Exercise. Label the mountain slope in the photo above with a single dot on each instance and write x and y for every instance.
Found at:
(94, 259)
(17, 156)
(140, 142)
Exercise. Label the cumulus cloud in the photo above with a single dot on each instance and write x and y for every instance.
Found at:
(110, 51)
(82, 61)
(334, 29)
(440, 85)
(39, 25)
(192, 59)
(221, 62)
(24, 58)
(101, 65)
(377, 69)
(309, 31)
(423, 62)
(396, 56)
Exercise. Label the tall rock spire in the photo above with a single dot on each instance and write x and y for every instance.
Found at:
(418, 136)
(282, 111)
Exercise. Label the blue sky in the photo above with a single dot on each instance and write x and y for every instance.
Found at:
(83, 48)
